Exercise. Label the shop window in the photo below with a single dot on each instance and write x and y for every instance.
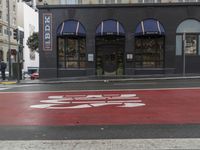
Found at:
(149, 52)
(191, 44)
(1, 29)
(71, 1)
(149, 1)
(188, 30)
(71, 52)
(110, 1)
(189, 1)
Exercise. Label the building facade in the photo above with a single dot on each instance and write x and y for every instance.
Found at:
(29, 25)
(125, 39)
(4, 32)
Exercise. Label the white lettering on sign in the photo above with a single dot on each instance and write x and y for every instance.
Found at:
(47, 32)
(89, 101)
(47, 19)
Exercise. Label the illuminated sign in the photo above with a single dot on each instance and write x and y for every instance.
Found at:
(47, 32)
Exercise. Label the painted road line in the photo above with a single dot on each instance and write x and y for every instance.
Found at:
(2, 89)
(120, 144)
(139, 83)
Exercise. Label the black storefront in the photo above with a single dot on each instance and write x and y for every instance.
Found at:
(117, 40)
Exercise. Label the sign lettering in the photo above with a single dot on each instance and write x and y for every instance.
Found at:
(47, 32)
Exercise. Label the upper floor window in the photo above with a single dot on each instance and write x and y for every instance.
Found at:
(109, 1)
(6, 32)
(149, 1)
(71, 1)
(0, 14)
(7, 17)
(14, 21)
(188, 0)
(14, 8)
(7, 3)
(1, 29)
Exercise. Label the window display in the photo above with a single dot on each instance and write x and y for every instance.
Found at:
(71, 52)
(191, 44)
(149, 52)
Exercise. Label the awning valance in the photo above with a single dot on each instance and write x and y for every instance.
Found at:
(71, 28)
(149, 27)
(110, 27)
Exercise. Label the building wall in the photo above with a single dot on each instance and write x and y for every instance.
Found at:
(28, 20)
(4, 26)
(129, 17)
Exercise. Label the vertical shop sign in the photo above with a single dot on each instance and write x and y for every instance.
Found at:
(47, 32)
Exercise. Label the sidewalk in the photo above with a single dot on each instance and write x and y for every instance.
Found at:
(101, 79)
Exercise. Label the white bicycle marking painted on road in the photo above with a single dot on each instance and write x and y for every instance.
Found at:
(89, 101)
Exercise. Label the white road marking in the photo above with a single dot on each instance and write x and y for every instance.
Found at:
(1, 89)
(94, 96)
(110, 144)
(7, 87)
(132, 105)
(55, 97)
(139, 83)
(127, 95)
(89, 101)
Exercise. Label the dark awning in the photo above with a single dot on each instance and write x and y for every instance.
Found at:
(149, 27)
(71, 28)
(110, 27)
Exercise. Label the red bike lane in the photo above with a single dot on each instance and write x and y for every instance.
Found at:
(117, 107)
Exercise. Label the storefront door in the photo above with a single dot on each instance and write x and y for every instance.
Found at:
(110, 62)
(109, 56)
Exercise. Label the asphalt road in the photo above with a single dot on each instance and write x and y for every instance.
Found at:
(10, 132)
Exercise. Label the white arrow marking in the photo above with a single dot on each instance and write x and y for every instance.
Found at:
(55, 97)
(44, 105)
(94, 96)
(128, 95)
(132, 105)
(72, 107)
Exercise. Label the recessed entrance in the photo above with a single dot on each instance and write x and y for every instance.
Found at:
(110, 45)
(109, 55)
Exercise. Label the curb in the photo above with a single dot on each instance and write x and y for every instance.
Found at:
(8, 82)
(98, 80)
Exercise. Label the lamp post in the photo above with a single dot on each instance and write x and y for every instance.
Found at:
(184, 47)
(9, 49)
